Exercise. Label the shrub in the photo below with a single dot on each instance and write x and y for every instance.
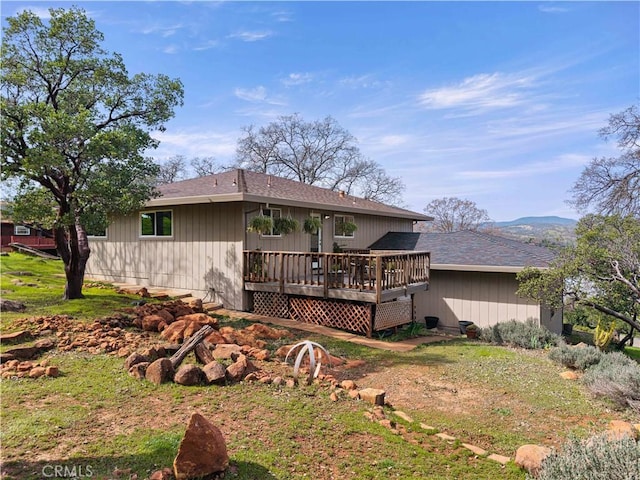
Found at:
(594, 459)
(519, 334)
(617, 378)
(579, 358)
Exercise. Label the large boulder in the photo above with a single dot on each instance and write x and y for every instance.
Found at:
(202, 451)
(160, 371)
(188, 375)
(530, 457)
(215, 373)
(150, 323)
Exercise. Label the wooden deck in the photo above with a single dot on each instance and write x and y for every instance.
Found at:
(367, 277)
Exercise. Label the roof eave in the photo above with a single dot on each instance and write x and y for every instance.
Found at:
(239, 197)
(480, 268)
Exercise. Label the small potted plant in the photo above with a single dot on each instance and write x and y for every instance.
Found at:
(260, 224)
(472, 331)
(286, 225)
(312, 225)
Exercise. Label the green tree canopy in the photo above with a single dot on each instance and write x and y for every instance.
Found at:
(601, 271)
(75, 127)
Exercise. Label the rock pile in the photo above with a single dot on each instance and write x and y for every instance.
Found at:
(26, 368)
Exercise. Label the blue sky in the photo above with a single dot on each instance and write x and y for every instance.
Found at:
(496, 102)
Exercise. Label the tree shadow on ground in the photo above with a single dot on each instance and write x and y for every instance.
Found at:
(120, 467)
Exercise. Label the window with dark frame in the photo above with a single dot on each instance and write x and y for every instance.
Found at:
(338, 226)
(156, 224)
(275, 214)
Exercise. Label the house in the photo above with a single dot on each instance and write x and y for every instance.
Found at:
(16, 233)
(194, 237)
(473, 277)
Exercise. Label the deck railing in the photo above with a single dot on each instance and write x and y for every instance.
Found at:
(31, 241)
(360, 271)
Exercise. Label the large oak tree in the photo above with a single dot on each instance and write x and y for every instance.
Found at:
(75, 126)
(452, 214)
(319, 153)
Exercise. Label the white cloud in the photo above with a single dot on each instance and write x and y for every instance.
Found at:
(547, 8)
(162, 30)
(297, 79)
(481, 91)
(362, 81)
(195, 144)
(171, 49)
(208, 45)
(282, 16)
(248, 36)
(257, 94)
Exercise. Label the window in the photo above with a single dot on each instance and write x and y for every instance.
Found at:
(156, 224)
(97, 233)
(344, 226)
(275, 214)
(21, 230)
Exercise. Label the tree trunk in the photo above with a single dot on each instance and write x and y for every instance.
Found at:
(190, 344)
(73, 247)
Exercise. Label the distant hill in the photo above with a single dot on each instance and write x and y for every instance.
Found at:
(537, 221)
(540, 230)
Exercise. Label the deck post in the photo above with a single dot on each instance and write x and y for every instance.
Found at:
(378, 279)
(281, 275)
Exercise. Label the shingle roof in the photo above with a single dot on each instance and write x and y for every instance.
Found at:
(244, 185)
(475, 250)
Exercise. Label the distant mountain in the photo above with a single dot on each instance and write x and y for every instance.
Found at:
(540, 230)
(551, 220)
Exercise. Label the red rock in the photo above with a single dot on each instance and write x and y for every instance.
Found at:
(160, 371)
(237, 370)
(133, 359)
(164, 474)
(201, 318)
(530, 457)
(174, 333)
(139, 370)
(37, 372)
(150, 323)
(52, 371)
(215, 373)
(348, 385)
(224, 351)
(374, 396)
(15, 337)
(188, 375)
(166, 316)
(202, 451)
(24, 366)
(215, 338)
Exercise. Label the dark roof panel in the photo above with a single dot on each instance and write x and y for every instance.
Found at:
(468, 248)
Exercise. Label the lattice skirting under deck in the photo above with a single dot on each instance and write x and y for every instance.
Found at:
(393, 314)
(349, 316)
(271, 304)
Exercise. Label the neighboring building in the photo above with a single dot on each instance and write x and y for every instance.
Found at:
(11, 232)
(194, 237)
(473, 277)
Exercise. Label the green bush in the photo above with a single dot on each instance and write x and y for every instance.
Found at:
(617, 378)
(595, 459)
(519, 334)
(579, 358)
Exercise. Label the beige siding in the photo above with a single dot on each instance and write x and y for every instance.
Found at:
(483, 298)
(370, 229)
(204, 255)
